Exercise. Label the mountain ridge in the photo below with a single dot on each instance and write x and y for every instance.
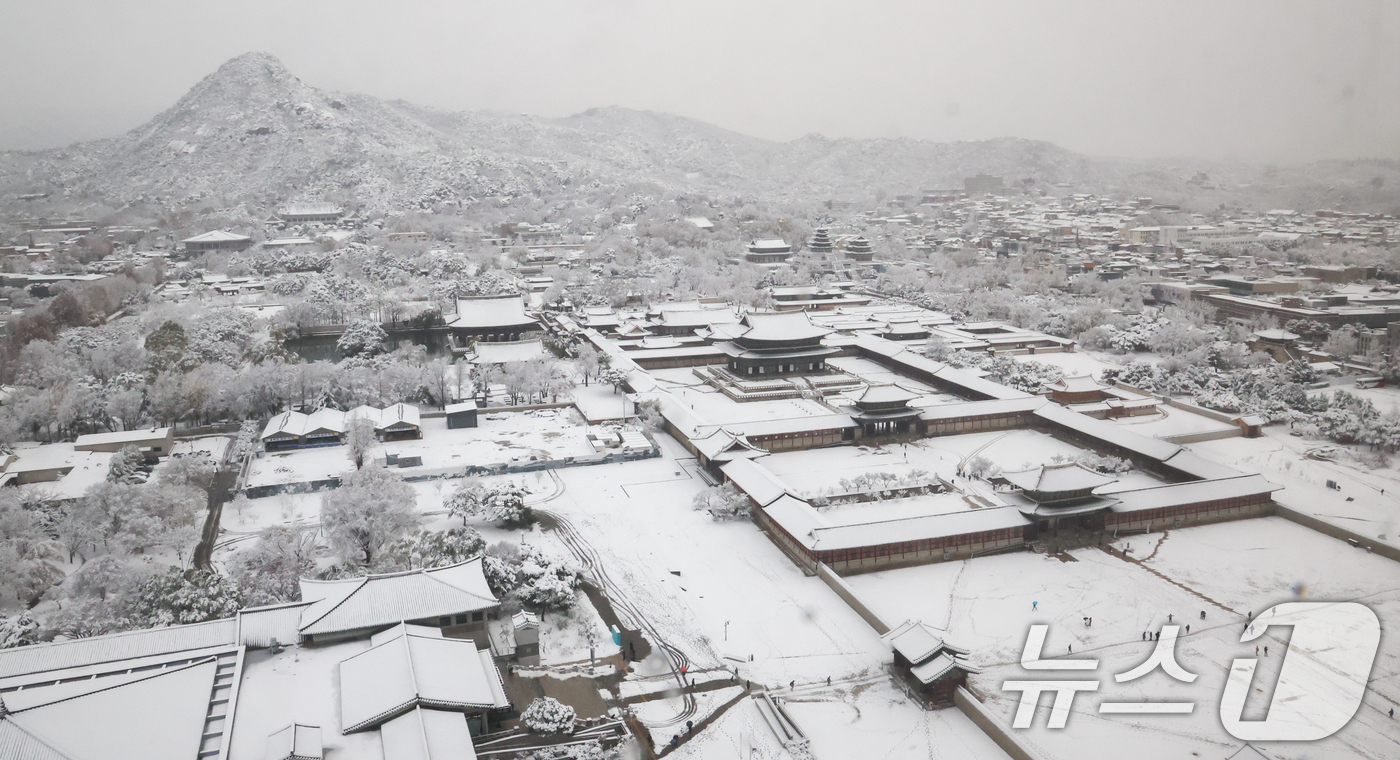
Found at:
(253, 132)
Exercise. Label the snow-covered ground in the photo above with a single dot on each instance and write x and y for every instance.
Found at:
(860, 718)
(690, 576)
(565, 637)
(1079, 362)
(1226, 570)
(1368, 501)
(249, 517)
(662, 708)
(876, 374)
(717, 408)
(600, 401)
(1171, 421)
(817, 471)
(500, 438)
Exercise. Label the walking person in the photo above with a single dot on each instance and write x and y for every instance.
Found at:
(1266, 650)
(1169, 617)
(1034, 605)
(1188, 629)
(1203, 614)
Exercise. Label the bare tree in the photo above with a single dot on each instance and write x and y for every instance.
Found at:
(359, 439)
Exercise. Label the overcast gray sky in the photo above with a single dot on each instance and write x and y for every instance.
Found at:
(1271, 80)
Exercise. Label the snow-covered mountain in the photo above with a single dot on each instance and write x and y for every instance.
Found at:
(252, 132)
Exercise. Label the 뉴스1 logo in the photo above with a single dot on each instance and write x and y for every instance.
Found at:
(1320, 685)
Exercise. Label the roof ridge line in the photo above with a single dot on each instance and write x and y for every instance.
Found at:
(163, 672)
(334, 607)
(458, 588)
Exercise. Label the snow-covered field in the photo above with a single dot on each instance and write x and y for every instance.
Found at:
(248, 517)
(690, 576)
(861, 718)
(1079, 362)
(817, 471)
(1226, 570)
(1368, 501)
(715, 407)
(1171, 421)
(500, 438)
(876, 374)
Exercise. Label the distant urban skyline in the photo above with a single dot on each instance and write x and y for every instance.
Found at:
(1263, 81)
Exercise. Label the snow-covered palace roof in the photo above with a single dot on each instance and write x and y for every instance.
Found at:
(410, 666)
(506, 352)
(490, 311)
(217, 236)
(374, 601)
(149, 714)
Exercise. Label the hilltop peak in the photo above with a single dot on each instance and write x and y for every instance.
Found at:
(254, 65)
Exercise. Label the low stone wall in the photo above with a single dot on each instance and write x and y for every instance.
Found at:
(849, 595)
(1186, 406)
(993, 728)
(1208, 435)
(1389, 551)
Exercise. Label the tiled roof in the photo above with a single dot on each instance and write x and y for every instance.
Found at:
(118, 646)
(496, 311)
(380, 600)
(1056, 478)
(411, 666)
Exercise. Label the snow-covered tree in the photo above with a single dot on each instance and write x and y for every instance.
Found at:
(196, 470)
(466, 500)
(269, 571)
(979, 467)
(1342, 342)
(502, 504)
(371, 508)
(246, 441)
(128, 465)
(359, 440)
(547, 715)
(362, 337)
(17, 631)
(166, 348)
(531, 576)
(725, 502)
(174, 597)
(100, 578)
(432, 548)
(588, 364)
